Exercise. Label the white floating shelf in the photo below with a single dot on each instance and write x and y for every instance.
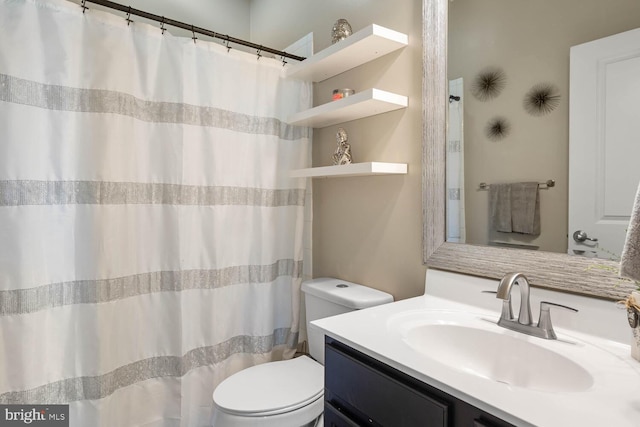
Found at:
(353, 169)
(359, 48)
(363, 104)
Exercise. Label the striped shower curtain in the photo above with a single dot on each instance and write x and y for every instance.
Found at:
(150, 238)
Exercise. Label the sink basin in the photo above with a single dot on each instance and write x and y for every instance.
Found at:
(477, 346)
(499, 357)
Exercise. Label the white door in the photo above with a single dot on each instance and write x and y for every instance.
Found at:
(604, 142)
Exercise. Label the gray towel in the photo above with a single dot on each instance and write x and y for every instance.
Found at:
(630, 260)
(500, 207)
(525, 208)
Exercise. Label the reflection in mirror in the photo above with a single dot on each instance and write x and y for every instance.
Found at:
(558, 271)
(521, 132)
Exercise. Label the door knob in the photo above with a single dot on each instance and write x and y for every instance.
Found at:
(581, 236)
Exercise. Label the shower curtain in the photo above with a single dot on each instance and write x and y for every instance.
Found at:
(150, 238)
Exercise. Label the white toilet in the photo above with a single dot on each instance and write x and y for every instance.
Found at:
(289, 393)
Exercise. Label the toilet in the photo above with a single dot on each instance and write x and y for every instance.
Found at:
(290, 393)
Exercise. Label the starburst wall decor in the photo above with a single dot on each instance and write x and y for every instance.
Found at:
(497, 129)
(488, 84)
(541, 99)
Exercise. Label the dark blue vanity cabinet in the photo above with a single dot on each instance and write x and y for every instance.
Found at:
(361, 391)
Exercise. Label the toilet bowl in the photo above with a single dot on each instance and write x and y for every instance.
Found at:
(284, 393)
(290, 393)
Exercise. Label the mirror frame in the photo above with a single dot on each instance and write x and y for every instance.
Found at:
(562, 272)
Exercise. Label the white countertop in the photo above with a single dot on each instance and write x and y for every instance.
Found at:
(613, 400)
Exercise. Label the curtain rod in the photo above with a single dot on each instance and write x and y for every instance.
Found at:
(166, 21)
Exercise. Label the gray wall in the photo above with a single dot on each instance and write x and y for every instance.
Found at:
(365, 229)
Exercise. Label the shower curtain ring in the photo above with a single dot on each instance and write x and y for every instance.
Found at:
(83, 6)
(162, 28)
(284, 60)
(193, 33)
(226, 43)
(129, 20)
(258, 53)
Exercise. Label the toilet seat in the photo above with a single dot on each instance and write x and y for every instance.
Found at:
(271, 388)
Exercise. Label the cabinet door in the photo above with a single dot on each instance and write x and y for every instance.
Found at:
(360, 388)
(334, 418)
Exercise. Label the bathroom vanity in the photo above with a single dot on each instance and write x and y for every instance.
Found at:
(360, 389)
(441, 360)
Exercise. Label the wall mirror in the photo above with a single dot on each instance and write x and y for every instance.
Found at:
(549, 266)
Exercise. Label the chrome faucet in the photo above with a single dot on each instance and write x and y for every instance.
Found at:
(544, 328)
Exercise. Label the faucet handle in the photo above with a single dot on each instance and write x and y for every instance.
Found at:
(507, 310)
(546, 305)
(544, 322)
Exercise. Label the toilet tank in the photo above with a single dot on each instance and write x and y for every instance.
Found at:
(325, 297)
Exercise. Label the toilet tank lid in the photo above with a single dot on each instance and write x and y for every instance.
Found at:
(347, 294)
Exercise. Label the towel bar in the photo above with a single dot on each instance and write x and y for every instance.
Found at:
(550, 183)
